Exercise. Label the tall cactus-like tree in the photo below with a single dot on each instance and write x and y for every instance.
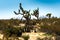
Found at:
(36, 13)
(48, 15)
(25, 13)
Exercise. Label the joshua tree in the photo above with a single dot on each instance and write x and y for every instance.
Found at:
(36, 13)
(26, 14)
(49, 15)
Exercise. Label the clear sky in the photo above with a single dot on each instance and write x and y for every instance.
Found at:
(45, 6)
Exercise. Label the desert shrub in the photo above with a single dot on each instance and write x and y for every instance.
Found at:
(12, 31)
(39, 38)
(26, 37)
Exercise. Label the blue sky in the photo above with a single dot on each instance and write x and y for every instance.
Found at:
(45, 6)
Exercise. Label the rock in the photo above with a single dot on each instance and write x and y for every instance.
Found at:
(1, 36)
